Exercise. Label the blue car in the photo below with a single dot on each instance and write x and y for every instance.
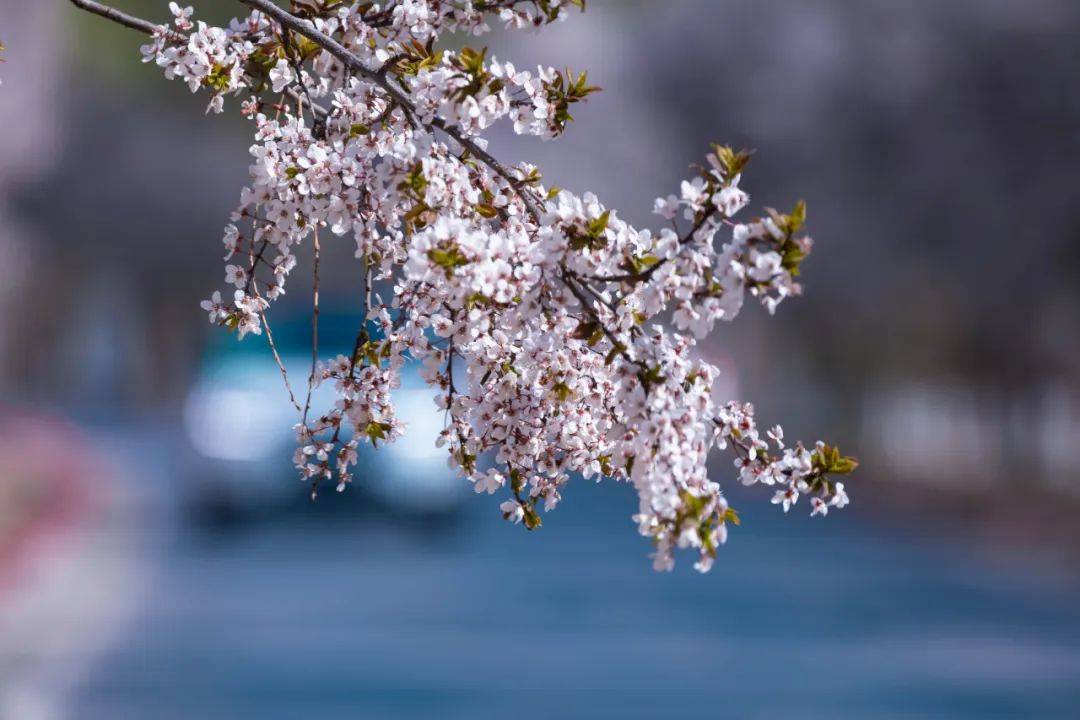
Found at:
(239, 425)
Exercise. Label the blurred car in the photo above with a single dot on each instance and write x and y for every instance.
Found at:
(239, 423)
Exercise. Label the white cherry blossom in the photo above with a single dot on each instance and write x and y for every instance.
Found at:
(561, 340)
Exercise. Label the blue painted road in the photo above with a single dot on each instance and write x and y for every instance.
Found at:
(327, 615)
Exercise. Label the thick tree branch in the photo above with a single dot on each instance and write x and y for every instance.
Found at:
(347, 58)
(148, 28)
(356, 65)
(122, 18)
(379, 78)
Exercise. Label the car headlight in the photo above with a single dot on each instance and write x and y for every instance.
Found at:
(228, 424)
(412, 471)
(423, 422)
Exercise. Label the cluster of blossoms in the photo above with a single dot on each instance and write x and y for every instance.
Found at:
(538, 314)
(364, 404)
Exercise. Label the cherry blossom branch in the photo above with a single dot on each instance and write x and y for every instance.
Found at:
(347, 58)
(571, 282)
(278, 362)
(149, 28)
(354, 63)
(585, 378)
(649, 271)
(123, 18)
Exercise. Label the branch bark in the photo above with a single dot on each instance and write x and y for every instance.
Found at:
(355, 64)
(122, 18)
(347, 58)
(376, 76)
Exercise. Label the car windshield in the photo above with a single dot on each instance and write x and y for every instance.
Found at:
(292, 336)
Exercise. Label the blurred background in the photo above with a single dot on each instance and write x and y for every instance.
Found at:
(149, 570)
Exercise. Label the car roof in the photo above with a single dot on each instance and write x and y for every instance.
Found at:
(292, 336)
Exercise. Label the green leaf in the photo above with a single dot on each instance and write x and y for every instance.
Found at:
(218, 78)
(693, 502)
(585, 330)
(844, 466)
(651, 377)
(562, 391)
(797, 218)
(616, 350)
(638, 265)
(376, 431)
(605, 464)
(731, 160)
(531, 519)
(598, 225)
(412, 218)
(517, 483)
(792, 258)
(828, 460)
(448, 258)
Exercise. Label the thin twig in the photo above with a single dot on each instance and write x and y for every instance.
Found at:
(255, 258)
(130, 21)
(314, 327)
(648, 272)
(569, 280)
(362, 333)
(277, 359)
(253, 287)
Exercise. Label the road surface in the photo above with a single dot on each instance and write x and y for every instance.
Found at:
(325, 614)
